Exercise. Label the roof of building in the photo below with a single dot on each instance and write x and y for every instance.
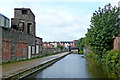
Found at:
(75, 42)
(24, 9)
(4, 16)
(66, 42)
(38, 37)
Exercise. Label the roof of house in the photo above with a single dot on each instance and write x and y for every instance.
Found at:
(4, 16)
(24, 9)
(66, 42)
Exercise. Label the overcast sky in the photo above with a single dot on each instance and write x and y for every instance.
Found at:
(58, 20)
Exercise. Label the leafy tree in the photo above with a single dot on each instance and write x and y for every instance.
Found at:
(104, 26)
(80, 44)
(59, 46)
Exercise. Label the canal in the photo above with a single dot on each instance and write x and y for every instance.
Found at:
(74, 66)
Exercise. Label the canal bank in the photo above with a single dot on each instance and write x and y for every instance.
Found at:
(26, 67)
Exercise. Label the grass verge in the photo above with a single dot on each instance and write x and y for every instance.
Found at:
(45, 55)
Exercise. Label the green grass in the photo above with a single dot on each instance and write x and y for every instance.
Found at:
(3, 63)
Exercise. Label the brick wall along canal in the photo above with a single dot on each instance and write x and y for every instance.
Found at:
(74, 66)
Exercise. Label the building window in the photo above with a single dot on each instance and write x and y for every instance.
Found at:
(21, 26)
(29, 27)
(24, 11)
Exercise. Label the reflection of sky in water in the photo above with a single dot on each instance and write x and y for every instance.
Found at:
(74, 66)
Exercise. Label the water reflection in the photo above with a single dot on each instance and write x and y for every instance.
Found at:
(98, 70)
(74, 66)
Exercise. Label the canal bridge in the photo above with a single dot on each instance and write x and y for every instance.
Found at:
(74, 49)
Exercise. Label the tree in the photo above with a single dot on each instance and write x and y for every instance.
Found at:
(59, 46)
(80, 44)
(104, 25)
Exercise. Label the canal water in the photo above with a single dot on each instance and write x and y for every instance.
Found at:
(74, 66)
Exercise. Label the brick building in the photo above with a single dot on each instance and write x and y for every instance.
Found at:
(116, 45)
(20, 41)
(24, 20)
(65, 44)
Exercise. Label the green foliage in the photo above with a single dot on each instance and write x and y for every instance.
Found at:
(81, 52)
(118, 67)
(110, 59)
(104, 25)
(113, 59)
(93, 56)
(59, 46)
(80, 44)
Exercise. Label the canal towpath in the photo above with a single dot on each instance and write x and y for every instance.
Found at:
(13, 68)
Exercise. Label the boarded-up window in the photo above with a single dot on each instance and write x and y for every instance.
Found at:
(37, 49)
(29, 52)
(33, 50)
(21, 26)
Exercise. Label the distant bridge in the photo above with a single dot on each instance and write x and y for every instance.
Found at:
(74, 49)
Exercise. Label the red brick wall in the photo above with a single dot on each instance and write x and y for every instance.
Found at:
(6, 50)
(117, 44)
(21, 50)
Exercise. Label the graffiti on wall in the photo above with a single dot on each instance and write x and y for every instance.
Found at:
(6, 50)
(21, 50)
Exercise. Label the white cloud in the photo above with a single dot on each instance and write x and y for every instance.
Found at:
(55, 24)
(54, 17)
(62, 0)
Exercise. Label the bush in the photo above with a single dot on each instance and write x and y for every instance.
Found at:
(93, 56)
(113, 59)
(81, 52)
(118, 67)
(60, 46)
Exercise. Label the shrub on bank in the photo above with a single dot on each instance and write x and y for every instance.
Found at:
(93, 56)
(81, 52)
(111, 59)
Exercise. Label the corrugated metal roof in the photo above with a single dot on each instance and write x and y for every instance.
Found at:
(4, 16)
